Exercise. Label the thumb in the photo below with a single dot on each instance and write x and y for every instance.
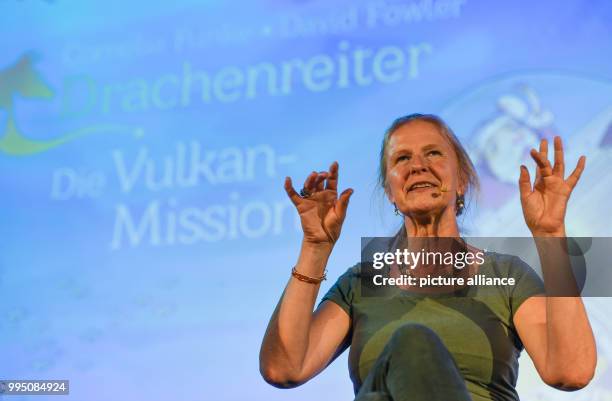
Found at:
(343, 201)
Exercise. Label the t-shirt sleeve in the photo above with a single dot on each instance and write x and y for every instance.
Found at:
(527, 283)
(341, 293)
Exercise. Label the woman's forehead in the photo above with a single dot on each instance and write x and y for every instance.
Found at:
(417, 134)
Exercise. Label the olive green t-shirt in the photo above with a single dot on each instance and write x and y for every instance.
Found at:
(477, 327)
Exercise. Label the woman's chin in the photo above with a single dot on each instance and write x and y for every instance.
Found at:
(423, 210)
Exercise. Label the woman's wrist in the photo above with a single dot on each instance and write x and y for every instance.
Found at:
(313, 258)
(543, 234)
(317, 248)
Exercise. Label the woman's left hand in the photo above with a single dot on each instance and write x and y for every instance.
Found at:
(545, 203)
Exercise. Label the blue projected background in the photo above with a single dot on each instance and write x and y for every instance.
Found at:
(145, 233)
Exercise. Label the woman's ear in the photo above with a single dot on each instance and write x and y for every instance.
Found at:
(389, 195)
(462, 187)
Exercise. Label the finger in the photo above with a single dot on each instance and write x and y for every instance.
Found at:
(559, 167)
(310, 181)
(332, 180)
(542, 162)
(544, 148)
(572, 180)
(524, 182)
(343, 201)
(293, 195)
(320, 180)
(544, 151)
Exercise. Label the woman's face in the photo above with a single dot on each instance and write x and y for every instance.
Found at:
(421, 161)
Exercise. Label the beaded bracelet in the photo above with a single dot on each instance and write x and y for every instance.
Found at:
(306, 279)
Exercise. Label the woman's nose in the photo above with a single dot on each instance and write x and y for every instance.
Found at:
(418, 165)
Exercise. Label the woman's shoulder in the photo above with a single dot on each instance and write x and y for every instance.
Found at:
(352, 273)
(527, 281)
(351, 278)
(507, 263)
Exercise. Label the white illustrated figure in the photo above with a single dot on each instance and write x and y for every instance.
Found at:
(503, 143)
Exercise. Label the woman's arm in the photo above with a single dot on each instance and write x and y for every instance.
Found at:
(554, 329)
(299, 343)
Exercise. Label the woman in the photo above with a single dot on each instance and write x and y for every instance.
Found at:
(419, 347)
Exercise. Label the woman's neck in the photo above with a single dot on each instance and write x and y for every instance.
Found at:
(443, 224)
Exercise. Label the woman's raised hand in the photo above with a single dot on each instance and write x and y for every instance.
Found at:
(321, 210)
(545, 204)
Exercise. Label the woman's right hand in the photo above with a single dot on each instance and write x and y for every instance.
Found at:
(323, 211)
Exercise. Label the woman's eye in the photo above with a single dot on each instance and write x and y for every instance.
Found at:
(434, 153)
(403, 157)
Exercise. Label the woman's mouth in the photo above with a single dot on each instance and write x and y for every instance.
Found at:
(421, 186)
